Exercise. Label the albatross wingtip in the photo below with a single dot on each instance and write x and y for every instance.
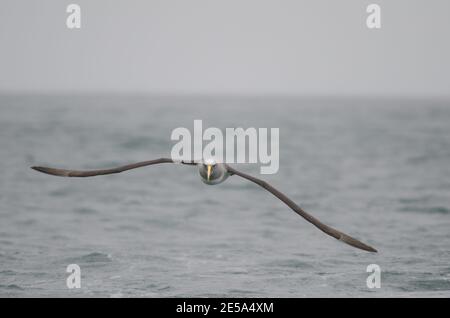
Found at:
(367, 248)
(355, 243)
(51, 171)
(40, 169)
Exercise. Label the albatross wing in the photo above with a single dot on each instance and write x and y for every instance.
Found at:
(323, 227)
(91, 173)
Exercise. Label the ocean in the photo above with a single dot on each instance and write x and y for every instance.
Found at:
(377, 169)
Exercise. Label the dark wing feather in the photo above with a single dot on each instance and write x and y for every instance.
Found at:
(323, 227)
(91, 173)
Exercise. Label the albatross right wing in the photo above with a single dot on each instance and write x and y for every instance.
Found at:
(91, 173)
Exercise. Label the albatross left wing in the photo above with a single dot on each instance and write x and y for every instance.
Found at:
(323, 227)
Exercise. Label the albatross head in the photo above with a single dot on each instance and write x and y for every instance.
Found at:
(212, 172)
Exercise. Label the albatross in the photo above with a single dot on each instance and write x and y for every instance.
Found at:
(213, 173)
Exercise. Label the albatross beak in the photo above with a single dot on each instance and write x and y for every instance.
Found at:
(208, 173)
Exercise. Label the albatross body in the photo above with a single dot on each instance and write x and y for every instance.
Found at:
(213, 173)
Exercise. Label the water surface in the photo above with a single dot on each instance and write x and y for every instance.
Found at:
(378, 170)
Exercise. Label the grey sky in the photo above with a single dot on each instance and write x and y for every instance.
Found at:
(227, 46)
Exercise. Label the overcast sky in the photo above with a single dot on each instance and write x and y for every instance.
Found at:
(314, 47)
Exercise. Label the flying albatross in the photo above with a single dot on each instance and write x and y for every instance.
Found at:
(214, 173)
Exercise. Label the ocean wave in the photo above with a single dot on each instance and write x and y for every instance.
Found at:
(85, 211)
(95, 257)
(430, 285)
(11, 287)
(431, 209)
